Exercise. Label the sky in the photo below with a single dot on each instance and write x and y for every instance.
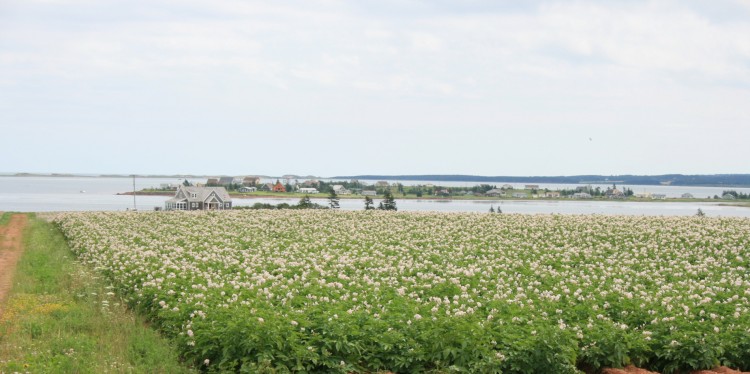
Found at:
(327, 88)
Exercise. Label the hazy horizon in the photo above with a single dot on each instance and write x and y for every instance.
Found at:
(537, 88)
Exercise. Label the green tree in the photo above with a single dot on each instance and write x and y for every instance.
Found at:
(700, 213)
(186, 183)
(492, 209)
(333, 200)
(388, 203)
(368, 203)
(305, 203)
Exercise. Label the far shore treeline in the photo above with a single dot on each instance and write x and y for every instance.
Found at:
(708, 180)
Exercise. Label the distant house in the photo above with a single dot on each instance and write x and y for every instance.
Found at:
(614, 193)
(369, 193)
(278, 187)
(442, 192)
(531, 187)
(520, 195)
(199, 198)
(311, 183)
(728, 196)
(495, 192)
(212, 182)
(658, 196)
(250, 181)
(248, 189)
(381, 184)
(340, 190)
(309, 190)
(581, 195)
(507, 187)
(687, 195)
(645, 195)
(226, 181)
(552, 194)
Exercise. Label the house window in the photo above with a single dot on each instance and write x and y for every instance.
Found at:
(194, 205)
(193, 195)
(226, 205)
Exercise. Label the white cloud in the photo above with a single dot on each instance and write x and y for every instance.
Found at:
(649, 66)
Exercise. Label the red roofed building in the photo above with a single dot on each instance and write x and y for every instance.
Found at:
(278, 187)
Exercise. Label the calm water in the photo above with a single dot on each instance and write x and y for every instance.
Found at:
(39, 194)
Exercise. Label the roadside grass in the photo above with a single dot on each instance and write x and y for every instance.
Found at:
(61, 317)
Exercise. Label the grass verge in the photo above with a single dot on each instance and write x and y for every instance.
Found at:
(4, 218)
(61, 317)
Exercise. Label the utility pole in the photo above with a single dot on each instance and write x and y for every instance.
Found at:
(134, 207)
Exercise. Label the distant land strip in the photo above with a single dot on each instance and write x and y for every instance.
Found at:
(715, 180)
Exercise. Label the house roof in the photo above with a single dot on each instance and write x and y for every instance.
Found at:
(202, 194)
(226, 180)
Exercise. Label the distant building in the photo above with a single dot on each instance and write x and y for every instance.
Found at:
(495, 192)
(266, 187)
(552, 194)
(309, 190)
(278, 187)
(687, 195)
(614, 193)
(531, 187)
(581, 195)
(507, 187)
(226, 181)
(199, 198)
(340, 190)
(248, 189)
(369, 193)
(520, 195)
(212, 182)
(728, 196)
(658, 196)
(381, 184)
(250, 181)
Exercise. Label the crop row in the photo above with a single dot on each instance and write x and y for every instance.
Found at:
(329, 291)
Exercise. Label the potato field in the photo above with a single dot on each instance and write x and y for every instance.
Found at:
(367, 291)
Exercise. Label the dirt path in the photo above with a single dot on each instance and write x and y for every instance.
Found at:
(11, 236)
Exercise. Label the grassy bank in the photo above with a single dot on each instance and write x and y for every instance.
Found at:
(4, 218)
(60, 317)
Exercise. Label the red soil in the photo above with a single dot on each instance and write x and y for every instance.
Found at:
(630, 369)
(11, 247)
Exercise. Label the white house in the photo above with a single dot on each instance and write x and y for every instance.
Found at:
(309, 190)
(247, 189)
(199, 198)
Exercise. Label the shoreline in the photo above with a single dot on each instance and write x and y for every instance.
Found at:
(286, 195)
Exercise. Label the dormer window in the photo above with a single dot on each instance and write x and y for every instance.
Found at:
(193, 195)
